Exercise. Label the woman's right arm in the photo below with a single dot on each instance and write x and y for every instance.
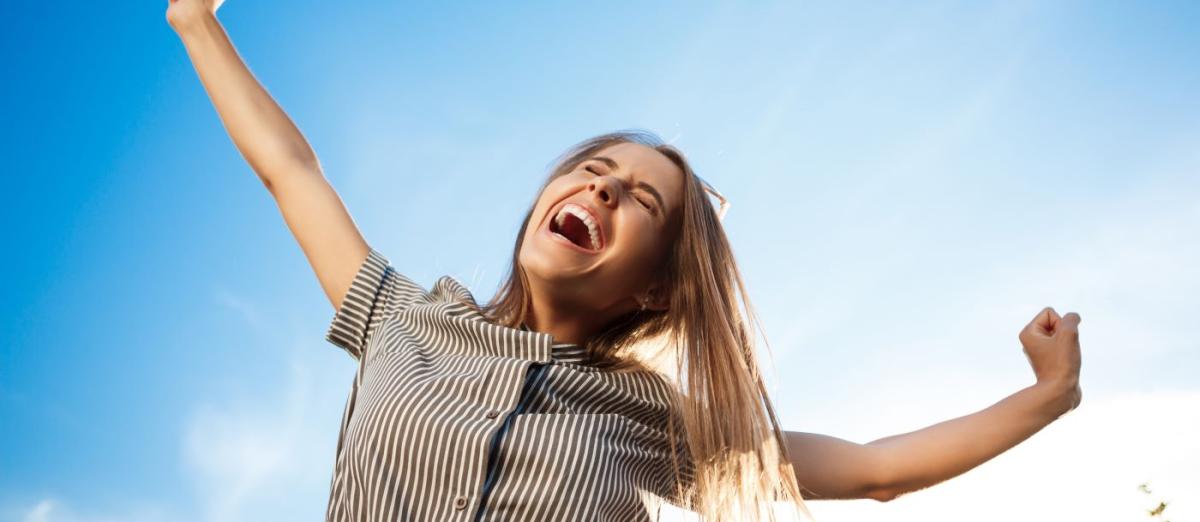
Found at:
(274, 148)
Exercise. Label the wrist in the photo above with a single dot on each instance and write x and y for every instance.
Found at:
(197, 26)
(1058, 396)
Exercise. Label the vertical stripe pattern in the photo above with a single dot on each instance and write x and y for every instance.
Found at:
(451, 417)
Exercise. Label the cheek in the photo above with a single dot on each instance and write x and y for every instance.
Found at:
(539, 213)
(646, 241)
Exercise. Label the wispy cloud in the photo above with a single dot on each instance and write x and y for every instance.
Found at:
(52, 509)
(257, 457)
(247, 310)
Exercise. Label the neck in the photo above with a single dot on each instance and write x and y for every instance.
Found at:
(564, 327)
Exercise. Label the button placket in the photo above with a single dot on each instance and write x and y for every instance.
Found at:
(490, 469)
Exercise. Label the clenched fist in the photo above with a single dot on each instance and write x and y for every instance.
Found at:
(184, 14)
(1052, 346)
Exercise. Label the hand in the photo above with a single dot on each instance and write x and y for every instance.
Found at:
(184, 14)
(1052, 346)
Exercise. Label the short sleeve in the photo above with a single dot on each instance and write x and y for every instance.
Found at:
(377, 291)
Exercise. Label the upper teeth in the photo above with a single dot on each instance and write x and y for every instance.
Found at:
(584, 216)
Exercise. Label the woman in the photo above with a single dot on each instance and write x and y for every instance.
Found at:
(613, 370)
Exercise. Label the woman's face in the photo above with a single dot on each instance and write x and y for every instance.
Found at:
(632, 196)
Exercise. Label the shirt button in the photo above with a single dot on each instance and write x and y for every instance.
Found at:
(460, 502)
(491, 414)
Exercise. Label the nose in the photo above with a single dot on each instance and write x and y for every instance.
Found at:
(604, 189)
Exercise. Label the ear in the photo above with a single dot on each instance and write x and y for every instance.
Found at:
(658, 299)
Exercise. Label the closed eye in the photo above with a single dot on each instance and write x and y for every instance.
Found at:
(644, 203)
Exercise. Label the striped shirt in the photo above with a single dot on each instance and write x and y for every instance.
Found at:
(452, 417)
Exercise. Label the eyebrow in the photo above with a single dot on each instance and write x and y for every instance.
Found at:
(612, 164)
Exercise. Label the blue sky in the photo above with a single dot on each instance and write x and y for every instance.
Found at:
(909, 186)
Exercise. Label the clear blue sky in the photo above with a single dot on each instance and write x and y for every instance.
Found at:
(909, 186)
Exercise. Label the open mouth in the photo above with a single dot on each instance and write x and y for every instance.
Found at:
(577, 226)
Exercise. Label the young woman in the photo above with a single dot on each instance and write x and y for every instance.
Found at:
(612, 371)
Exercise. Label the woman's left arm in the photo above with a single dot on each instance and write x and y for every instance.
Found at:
(828, 468)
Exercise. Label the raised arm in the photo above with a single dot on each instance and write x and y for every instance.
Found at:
(832, 468)
(273, 147)
(829, 468)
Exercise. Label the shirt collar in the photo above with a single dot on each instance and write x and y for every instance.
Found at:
(564, 352)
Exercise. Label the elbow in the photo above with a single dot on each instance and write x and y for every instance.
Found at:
(883, 494)
(888, 479)
(273, 175)
(267, 183)
(880, 483)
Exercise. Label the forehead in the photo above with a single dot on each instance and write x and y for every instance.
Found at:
(643, 163)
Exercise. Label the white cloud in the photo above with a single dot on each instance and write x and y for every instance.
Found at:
(267, 456)
(54, 510)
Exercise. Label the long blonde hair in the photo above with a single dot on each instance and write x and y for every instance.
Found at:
(733, 437)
